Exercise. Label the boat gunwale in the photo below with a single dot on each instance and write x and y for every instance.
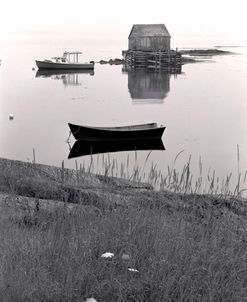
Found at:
(63, 65)
(128, 128)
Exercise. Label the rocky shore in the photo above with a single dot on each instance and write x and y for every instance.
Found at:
(61, 185)
(205, 52)
(188, 56)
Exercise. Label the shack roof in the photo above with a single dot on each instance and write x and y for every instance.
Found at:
(149, 30)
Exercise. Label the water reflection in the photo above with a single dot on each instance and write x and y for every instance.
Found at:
(89, 147)
(68, 77)
(148, 86)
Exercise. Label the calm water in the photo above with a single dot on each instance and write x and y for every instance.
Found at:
(204, 108)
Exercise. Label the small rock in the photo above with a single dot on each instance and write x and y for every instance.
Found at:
(107, 255)
(125, 257)
(91, 300)
(118, 61)
(133, 270)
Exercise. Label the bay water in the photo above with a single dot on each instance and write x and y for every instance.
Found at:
(204, 108)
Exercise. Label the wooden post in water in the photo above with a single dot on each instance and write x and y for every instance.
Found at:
(156, 60)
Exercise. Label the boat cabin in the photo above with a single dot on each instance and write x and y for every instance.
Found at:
(68, 57)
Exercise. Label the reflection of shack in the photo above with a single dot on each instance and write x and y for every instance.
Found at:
(149, 48)
(145, 85)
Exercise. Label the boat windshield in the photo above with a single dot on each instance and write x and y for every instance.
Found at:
(59, 59)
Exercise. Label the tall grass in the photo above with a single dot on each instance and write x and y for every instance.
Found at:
(186, 255)
(182, 247)
(185, 180)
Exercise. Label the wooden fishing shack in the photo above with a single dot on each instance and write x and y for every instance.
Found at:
(149, 48)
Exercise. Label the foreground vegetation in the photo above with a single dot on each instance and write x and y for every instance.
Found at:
(166, 246)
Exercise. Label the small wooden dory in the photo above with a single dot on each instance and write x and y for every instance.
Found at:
(142, 131)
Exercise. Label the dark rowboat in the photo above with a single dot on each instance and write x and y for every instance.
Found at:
(90, 147)
(150, 130)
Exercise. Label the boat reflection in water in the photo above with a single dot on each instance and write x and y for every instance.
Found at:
(148, 86)
(90, 147)
(68, 77)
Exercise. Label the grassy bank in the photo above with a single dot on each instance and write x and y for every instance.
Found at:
(56, 224)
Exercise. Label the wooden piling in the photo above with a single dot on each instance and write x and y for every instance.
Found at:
(155, 60)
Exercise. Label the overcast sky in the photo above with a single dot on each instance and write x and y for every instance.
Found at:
(207, 17)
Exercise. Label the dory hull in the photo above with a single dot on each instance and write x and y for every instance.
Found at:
(116, 133)
(89, 147)
(63, 66)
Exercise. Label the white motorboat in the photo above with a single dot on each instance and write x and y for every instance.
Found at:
(69, 60)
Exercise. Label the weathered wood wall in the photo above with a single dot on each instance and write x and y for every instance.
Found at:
(154, 43)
